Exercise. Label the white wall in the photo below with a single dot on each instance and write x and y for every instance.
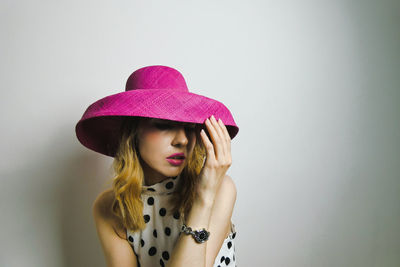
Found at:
(313, 86)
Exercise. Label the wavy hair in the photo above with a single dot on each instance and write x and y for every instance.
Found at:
(128, 178)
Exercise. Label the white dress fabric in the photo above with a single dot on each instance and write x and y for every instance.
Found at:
(154, 245)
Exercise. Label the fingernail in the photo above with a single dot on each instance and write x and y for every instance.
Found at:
(212, 116)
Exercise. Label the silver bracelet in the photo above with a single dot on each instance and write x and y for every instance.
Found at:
(200, 236)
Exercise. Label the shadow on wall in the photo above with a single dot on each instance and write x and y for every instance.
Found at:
(84, 174)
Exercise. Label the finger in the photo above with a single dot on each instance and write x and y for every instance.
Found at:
(227, 142)
(216, 140)
(218, 129)
(226, 134)
(208, 145)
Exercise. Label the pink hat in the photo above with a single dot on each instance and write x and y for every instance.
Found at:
(152, 92)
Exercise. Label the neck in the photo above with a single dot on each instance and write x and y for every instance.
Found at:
(150, 175)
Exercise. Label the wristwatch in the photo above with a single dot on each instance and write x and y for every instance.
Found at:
(200, 236)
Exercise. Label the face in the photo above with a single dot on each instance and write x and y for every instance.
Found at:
(157, 140)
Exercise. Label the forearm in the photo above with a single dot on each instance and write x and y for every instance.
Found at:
(187, 251)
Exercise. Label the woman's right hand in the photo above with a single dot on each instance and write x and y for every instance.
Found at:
(218, 159)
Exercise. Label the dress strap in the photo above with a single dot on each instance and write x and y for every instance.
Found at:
(233, 229)
(232, 234)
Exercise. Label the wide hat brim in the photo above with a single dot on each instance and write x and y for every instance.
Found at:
(99, 127)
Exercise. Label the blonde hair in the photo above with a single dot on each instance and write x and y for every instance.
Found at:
(128, 179)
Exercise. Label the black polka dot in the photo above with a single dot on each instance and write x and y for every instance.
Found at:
(165, 255)
(151, 189)
(130, 238)
(142, 242)
(146, 218)
(167, 231)
(222, 259)
(169, 185)
(163, 211)
(234, 234)
(152, 251)
(150, 201)
(162, 263)
(155, 233)
(229, 244)
(177, 215)
(227, 260)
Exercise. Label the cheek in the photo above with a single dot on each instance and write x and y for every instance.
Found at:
(151, 141)
(152, 137)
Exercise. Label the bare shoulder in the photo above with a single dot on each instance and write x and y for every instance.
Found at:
(102, 212)
(117, 250)
(102, 206)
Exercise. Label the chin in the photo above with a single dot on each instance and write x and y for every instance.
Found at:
(173, 173)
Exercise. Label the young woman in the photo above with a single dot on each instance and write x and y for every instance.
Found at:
(171, 201)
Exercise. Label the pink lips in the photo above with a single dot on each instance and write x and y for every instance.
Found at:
(176, 162)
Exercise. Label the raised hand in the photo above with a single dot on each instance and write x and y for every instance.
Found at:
(218, 158)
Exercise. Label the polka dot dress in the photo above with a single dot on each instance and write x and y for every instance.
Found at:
(153, 246)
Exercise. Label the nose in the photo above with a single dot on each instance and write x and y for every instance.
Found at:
(181, 136)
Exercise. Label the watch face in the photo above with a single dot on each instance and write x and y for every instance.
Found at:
(201, 236)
